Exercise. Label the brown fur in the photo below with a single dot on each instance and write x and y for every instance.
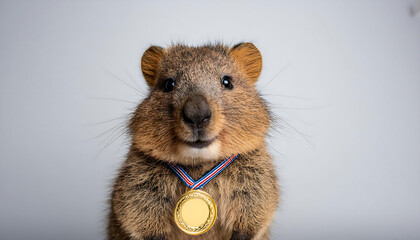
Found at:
(146, 189)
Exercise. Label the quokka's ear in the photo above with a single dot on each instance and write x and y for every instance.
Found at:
(150, 63)
(249, 58)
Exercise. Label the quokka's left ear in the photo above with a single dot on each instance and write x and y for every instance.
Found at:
(249, 59)
(150, 64)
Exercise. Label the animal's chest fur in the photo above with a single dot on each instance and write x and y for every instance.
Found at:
(146, 192)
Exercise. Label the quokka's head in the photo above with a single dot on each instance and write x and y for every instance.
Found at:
(202, 105)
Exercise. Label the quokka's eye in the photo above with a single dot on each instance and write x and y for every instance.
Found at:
(227, 82)
(169, 84)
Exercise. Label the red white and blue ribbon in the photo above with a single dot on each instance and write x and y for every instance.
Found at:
(206, 178)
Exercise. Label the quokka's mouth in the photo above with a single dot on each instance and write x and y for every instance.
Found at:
(200, 143)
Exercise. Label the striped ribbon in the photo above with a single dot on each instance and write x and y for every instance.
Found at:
(206, 178)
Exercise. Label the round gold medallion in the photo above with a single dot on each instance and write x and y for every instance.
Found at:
(195, 212)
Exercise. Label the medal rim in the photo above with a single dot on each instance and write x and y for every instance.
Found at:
(177, 207)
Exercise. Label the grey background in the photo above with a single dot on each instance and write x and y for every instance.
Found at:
(344, 77)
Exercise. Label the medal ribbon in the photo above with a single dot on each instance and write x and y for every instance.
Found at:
(206, 178)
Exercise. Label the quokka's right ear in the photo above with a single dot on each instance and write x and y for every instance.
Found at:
(249, 58)
(150, 64)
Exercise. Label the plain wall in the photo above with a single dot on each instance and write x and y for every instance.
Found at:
(342, 77)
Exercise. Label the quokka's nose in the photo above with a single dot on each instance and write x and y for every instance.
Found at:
(196, 111)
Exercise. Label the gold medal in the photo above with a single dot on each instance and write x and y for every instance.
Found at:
(195, 212)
